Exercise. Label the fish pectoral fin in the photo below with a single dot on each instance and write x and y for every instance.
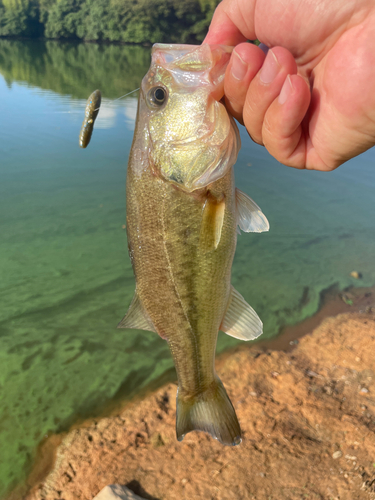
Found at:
(136, 317)
(212, 223)
(250, 217)
(240, 320)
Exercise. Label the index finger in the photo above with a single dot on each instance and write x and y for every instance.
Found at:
(232, 23)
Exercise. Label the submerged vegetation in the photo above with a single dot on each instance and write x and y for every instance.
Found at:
(129, 21)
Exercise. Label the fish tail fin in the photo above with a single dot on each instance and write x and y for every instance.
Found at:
(210, 411)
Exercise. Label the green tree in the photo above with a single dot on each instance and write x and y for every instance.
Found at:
(64, 18)
(20, 18)
(130, 21)
(44, 8)
(167, 21)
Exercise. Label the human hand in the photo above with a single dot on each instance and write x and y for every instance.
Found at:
(311, 100)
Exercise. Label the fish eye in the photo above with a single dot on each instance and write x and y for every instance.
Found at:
(157, 96)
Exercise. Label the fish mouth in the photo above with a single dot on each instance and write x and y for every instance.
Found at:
(204, 63)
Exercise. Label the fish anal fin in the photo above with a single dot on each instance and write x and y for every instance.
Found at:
(136, 318)
(240, 320)
(212, 223)
(250, 217)
(210, 411)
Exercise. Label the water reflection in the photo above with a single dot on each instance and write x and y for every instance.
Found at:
(74, 69)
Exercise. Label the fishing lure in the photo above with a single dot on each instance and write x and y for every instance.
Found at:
(91, 112)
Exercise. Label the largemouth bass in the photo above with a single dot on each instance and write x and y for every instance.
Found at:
(182, 214)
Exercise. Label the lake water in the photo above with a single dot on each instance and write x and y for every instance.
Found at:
(66, 278)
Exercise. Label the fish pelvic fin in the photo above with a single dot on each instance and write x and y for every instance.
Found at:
(210, 411)
(136, 317)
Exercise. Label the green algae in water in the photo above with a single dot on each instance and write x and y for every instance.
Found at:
(66, 276)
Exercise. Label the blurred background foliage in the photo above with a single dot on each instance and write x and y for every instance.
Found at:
(128, 21)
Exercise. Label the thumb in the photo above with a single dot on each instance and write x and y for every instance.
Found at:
(232, 23)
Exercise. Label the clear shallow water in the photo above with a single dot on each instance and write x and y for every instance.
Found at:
(66, 279)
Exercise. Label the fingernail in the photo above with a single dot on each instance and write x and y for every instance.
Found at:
(270, 68)
(286, 90)
(239, 67)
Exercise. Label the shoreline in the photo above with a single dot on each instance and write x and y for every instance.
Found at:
(331, 306)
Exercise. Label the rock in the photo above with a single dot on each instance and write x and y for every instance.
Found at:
(311, 373)
(116, 492)
(337, 455)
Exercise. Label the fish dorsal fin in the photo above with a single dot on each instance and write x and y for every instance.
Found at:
(136, 317)
(212, 223)
(250, 217)
(240, 320)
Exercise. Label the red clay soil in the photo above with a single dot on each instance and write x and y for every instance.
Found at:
(308, 426)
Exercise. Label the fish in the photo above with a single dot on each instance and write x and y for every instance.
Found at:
(91, 112)
(183, 214)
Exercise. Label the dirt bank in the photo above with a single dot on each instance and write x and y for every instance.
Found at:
(308, 426)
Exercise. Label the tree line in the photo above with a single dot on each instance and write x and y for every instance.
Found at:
(127, 21)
